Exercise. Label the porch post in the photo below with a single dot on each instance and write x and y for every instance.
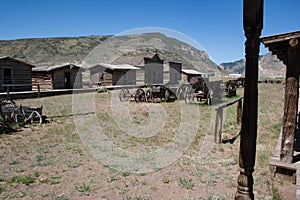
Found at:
(253, 23)
(291, 102)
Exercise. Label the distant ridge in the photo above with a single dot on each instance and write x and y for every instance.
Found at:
(269, 67)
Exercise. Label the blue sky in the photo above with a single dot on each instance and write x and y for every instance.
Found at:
(215, 24)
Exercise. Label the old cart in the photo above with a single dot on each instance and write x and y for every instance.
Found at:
(202, 91)
(11, 112)
(147, 93)
(137, 96)
(159, 91)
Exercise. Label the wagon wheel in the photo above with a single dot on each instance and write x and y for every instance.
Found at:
(2, 120)
(18, 115)
(124, 95)
(140, 96)
(208, 100)
(167, 95)
(180, 92)
(148, 96)
(189, 95)
(7, 102)
(34, 117)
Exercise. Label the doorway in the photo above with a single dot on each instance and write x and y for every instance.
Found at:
(67, 80)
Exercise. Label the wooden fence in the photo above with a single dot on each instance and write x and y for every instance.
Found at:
(219, 117)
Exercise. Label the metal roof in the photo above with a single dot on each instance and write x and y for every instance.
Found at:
(191, 71)
(114, 67)
(51, 68)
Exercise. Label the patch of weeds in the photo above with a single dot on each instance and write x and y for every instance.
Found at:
(101, 89)
(227, 165)
(42, 151)
(19, 169)
(2, 189)
(55, 196)
(55, 180)
(22, 194)
(72, 164)
(198, 172)
(111, 178)
(186, 161)
(191, 198)
(134, 198)
(186, 183)
(275, 194)
(125, 174)
(36, 173)
(13, 162)
(209, 177)
(165, 180)
(84, 189)
(262, 159)
(156, 169)
(213, 196)
(24, 179)
(46, 181)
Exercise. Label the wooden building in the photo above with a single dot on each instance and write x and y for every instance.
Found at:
(175, 70)
(108, 74)
(286, 47)
(187, 74)
(57, 77)
(15, 74)
(153, 70)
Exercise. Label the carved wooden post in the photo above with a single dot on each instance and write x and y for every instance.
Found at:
(291, 103)
(253, 23)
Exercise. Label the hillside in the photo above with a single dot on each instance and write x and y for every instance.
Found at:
(269, 66)
(91, 49)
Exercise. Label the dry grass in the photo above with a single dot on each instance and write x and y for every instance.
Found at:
(52, 161)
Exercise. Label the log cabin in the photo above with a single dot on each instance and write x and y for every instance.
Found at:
(108, 74)
(65, 76)
(15, 75)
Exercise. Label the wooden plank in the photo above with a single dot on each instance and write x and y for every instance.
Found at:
(218, 126)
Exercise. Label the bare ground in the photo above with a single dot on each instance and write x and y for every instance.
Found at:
(52, 161)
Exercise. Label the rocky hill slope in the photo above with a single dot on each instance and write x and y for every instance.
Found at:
(108, 49)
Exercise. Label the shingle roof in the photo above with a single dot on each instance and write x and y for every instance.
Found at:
(16, 60)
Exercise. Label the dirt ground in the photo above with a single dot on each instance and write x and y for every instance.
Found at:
(56, 161)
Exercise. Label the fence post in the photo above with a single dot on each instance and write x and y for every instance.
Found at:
(39, 89)
(7, 91)
(218, 125)
(239, 112)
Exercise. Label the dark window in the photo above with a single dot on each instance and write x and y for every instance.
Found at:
(7, 75)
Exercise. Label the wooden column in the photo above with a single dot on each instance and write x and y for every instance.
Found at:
(253, 23)
(291, 102)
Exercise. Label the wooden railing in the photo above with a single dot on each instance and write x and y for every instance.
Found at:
(219, 117)
(21, 85)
